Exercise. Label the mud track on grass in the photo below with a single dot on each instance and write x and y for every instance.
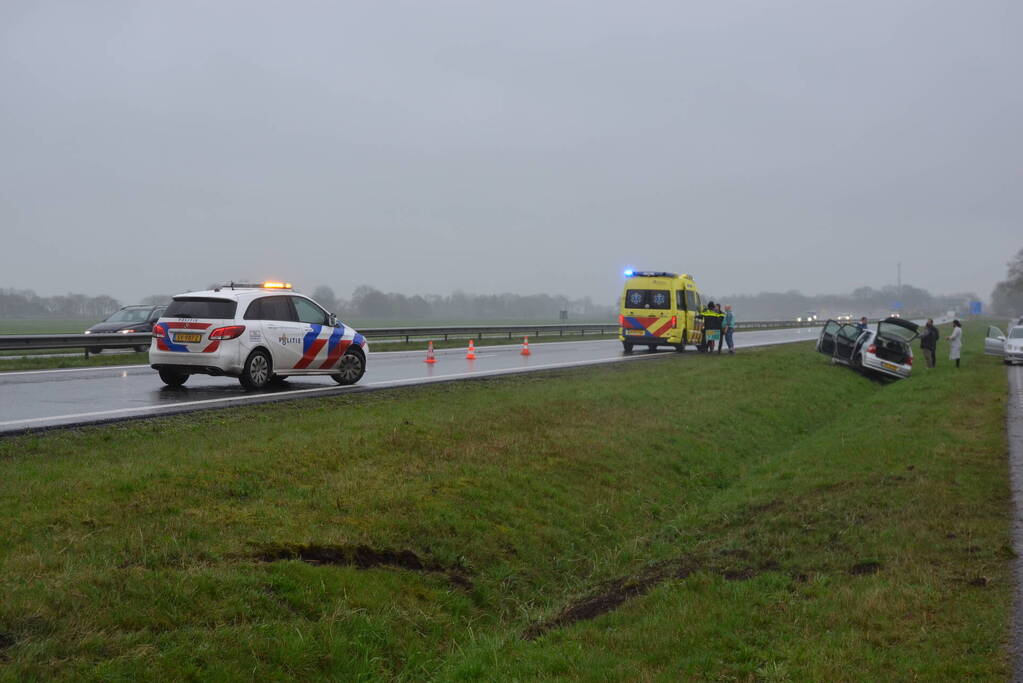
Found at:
(361, 557)
(614, 593)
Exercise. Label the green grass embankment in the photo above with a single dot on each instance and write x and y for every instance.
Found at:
(758, 516)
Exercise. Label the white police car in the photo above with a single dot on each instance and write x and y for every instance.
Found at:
(258, 333)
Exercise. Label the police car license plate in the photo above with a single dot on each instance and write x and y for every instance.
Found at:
(187, 337)
(636, 333)
(889, 366)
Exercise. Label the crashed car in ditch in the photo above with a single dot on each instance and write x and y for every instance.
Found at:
(883, 349)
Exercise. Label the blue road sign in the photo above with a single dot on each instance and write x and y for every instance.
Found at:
(976, 307)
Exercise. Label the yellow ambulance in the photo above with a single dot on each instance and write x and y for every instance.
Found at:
(659, 308)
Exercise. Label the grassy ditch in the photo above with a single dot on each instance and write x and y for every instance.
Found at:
(758, 516)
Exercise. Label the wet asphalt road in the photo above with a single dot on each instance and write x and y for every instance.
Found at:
(48, 398)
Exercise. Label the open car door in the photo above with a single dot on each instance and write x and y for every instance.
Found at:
(994, 343)
(898, 329)
(845, 342)
(826, 342)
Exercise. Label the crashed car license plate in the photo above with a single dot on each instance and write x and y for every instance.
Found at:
(187, 337)
(636, 333)
(889, 366)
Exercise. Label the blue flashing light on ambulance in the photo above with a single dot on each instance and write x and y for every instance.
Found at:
(658, 308)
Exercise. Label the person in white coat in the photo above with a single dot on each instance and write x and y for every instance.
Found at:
(955, 341)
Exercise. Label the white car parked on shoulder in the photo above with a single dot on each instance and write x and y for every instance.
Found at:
(258, 333)
(1008, 346)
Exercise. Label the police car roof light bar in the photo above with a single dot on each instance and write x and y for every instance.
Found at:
(254, 285)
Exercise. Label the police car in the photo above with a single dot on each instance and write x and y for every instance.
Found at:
(259, 333)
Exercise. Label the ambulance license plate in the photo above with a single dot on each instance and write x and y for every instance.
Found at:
(889, 366)
(636, 333)
(188, 338)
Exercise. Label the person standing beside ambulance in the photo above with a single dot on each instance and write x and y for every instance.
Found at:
(727, 327)
(711, 326)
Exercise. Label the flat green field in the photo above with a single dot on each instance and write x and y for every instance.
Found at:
(763, 516)
(44, 325)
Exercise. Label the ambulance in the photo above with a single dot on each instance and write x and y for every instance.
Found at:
(660, 309)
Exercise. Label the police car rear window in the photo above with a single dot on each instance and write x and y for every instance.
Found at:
(648, 298)
(199, 307)
(271, 308)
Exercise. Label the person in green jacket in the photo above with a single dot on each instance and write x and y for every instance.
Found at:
(727, 327)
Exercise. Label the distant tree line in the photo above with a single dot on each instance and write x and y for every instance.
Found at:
(1007, 297)
(25, 303)
(909, 301)
(369, 302)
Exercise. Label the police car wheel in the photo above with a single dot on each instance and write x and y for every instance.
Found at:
(351, 368)
(141, 349)
(173, 379)
(651, 348)
(257, 370)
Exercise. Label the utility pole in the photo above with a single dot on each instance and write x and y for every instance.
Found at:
(899, 283)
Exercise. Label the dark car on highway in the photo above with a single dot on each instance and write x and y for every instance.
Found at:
(127, 320)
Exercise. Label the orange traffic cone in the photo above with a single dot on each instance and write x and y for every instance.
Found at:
(472, 351)
(430, 358)
(525, 346)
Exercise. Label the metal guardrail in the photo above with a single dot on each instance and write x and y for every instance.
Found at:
(117, 340)
(112, 340)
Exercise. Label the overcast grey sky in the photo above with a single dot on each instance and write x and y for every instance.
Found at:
(521, 146)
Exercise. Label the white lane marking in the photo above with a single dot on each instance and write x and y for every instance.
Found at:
(241, 400)
(92, 369)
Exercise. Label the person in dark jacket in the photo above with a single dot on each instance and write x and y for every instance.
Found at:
(929, 342)
(711, 326)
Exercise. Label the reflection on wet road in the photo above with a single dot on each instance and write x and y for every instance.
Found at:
(45, 398)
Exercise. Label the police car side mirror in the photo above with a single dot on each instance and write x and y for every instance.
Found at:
(332, 320)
